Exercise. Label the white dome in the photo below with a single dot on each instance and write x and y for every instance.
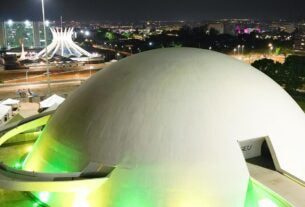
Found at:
(169, 121)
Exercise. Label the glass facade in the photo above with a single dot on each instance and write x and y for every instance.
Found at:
(29, 33)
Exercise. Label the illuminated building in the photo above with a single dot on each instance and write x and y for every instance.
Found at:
(164, 128)
(218, 26)
(12, 34)
(299, 39)
(63, 45)
(2, 35)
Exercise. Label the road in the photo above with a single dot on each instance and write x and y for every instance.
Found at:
(54, 76)
(112, 50)
(61, 88)
(62, 82)
(250, 58)
(11, 76)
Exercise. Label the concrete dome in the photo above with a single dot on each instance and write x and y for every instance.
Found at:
(169, 121)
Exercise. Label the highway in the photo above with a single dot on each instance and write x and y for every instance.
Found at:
(62, 81)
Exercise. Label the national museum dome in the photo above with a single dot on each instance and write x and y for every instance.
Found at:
(170, 121)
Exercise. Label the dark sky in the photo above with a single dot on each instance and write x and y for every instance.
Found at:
(118, 10)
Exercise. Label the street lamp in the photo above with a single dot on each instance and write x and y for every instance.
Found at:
(10, 22)
(47, 23)
(271, 49)
(87, 33)
(238, 49)
(27, 23)
(270, 45)
(46, 45)
(118, 55)
(90, 68)
(234, 51)
(242, 49)
(26, 75)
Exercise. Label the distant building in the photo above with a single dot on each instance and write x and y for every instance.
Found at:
(218, 26)
(229, 28)
(299, 39)
(288, 27)
(12, 34)
(2, 35)
(63, 45)
(299, 42)
(36, 34)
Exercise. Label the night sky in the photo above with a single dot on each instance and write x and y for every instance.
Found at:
(130, 10)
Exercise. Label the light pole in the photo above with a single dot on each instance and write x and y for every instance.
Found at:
(46, 45)
(26, 75)
(270, 45)
(118, 56)
(90, 68)
(238, 49)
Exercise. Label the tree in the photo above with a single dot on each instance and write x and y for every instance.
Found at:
(273, 69)
(110, 36)
(266, 66)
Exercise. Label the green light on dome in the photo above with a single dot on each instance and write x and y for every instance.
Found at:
(36, 204)
(259, 195)
(44, 197)
(18, 165)
(266, 203)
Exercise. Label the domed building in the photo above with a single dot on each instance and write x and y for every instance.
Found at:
(170, 124)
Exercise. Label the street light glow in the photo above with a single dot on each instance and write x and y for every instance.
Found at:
(10, 22)
(87, 33)
(27, 23)
(47, 23)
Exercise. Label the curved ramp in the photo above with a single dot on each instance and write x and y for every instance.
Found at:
(50, 186)
(18, 180)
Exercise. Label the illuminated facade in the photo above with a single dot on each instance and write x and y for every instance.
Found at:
(299, 39)
(63, 45)
(163, 129)
(12, 34)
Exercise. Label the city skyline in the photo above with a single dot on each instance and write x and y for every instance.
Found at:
(136, 10)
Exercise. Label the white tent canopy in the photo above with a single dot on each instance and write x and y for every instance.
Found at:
(5, 113)
(5, 109)
(53, 107)
(51, 101)
(10, 102)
